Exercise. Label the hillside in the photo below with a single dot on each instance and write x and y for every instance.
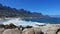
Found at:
(6, 11)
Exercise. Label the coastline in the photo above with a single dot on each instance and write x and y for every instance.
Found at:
(39, 28)
(46, 29)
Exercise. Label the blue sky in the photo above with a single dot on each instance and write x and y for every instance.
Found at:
(46, 7)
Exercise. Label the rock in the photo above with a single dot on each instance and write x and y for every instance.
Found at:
(48, 29)
(11, 31)
(32, 31)
(1, 30)
(37, 30)
(52, 28)
(58, 32)
(28, 31)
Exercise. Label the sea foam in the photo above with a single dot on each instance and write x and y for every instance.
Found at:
(19, 21)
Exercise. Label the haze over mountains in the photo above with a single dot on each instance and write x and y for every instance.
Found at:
(6, 11)
(57, 16)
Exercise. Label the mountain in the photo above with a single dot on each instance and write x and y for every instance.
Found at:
(6, 11)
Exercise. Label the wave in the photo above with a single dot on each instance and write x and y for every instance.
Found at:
(19, 21)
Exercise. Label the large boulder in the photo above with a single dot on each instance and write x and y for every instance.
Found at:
(11, 31)
(35, 30)
(28, 31)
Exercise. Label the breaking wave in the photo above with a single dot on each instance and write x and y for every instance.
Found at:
(19, 21)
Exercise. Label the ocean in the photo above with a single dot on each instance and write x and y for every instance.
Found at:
(44, 20)
(30, 21)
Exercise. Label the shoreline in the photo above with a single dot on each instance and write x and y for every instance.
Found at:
(48, 29)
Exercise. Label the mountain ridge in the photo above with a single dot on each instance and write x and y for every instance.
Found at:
(6, 11)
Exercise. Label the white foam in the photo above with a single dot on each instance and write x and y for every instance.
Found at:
(18, 21)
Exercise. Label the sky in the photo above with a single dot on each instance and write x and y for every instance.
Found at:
(46, 7)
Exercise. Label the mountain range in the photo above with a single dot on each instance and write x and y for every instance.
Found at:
(6, 11)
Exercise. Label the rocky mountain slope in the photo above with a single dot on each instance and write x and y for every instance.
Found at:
(6, 11)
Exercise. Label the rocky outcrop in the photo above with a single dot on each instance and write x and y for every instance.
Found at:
(52, 29)
(48, 29)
